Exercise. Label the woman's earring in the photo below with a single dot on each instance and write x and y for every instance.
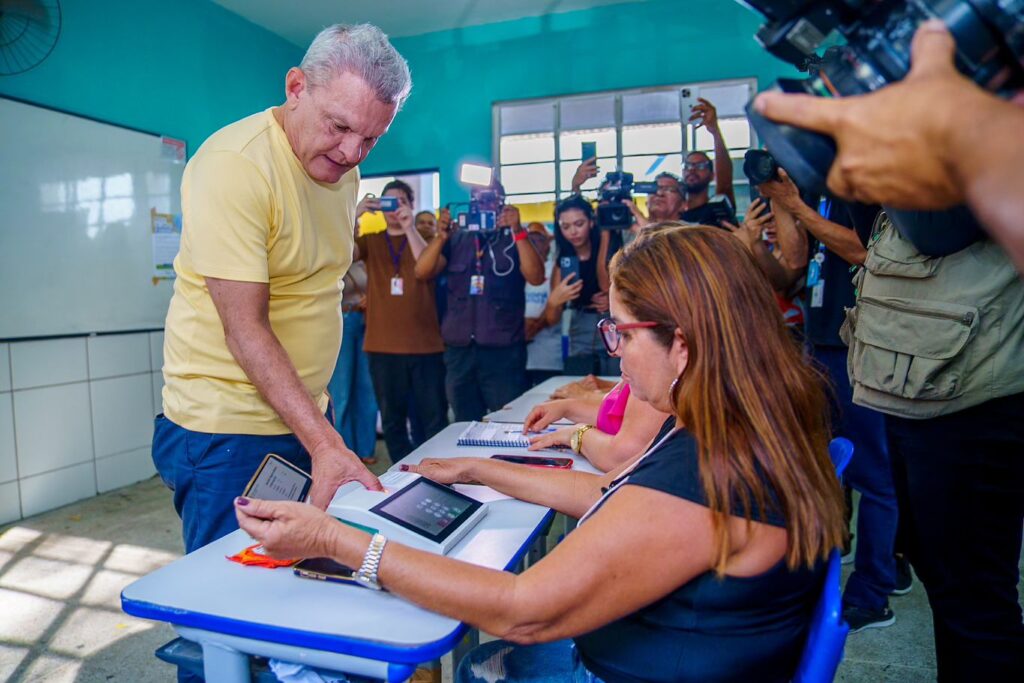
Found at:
(672, 389)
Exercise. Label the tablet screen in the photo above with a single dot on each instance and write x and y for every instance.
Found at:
(428, 508)
(278, 480)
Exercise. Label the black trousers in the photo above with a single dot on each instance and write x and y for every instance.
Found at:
(484, 378)
(960, 487)
(403, 379)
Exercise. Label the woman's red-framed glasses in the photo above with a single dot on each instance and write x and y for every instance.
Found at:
(611, 332)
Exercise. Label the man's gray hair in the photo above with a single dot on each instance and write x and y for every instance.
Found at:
(362, 50)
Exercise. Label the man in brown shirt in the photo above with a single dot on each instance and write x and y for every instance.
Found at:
(403, 337)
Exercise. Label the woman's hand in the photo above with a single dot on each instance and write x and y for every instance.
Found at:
(599, 302)
(286, 529)
(445, 470)
(565, 291)
(544, 414)
(555, 439)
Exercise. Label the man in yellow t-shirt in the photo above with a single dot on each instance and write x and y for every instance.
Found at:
(254, 326)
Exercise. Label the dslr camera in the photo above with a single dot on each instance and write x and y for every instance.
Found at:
(989, 38)
(618, 186)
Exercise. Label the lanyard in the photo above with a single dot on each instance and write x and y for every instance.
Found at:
(396, 258)
(479, 255)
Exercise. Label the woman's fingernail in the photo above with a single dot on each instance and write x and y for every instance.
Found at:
(404, 468)
(241, 500)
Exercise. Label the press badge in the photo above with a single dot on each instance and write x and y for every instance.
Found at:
(397, 286)
(476, 285)
(818, 294)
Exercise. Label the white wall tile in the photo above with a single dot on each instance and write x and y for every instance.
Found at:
(8, 462)
(53, 428)
(54, 489)
(123, 469)
(122, 413)
(43, 363)
(5, 368)
(158, 388)
(10, 502)
(156, 350)
(112, 355)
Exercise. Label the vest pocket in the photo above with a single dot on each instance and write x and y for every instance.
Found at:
(893, 255)
(909, 348)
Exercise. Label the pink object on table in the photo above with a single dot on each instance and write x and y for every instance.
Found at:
(613, 409)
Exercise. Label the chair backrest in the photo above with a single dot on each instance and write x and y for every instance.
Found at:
(827, 636)
(841, 451)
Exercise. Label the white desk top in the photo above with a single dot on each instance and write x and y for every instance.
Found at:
(517, 410)
(204, 590)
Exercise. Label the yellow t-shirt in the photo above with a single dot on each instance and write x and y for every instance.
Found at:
(251, 213)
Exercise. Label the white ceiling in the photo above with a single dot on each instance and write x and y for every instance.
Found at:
(299, 20)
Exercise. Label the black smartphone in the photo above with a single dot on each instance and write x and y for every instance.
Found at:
(536, 461)
(278, 479)
(389, 204)
(324, 569)
(588, 150)
(569, 264)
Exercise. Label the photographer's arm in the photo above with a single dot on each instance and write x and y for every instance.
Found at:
(705, 114)
(430, 261)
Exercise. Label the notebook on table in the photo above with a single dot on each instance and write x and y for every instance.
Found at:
(494, 435)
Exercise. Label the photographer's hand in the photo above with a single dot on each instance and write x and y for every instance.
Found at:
(750, 230)
(367, 203)
(783, 192)
(445, 225)
(896, 145)
(704, 114)
(642, 221)
(584, 172)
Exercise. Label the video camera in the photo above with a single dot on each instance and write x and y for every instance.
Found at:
(485, 199)
(617, 187)
(989, 37)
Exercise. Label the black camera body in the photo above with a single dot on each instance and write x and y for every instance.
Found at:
(989, 37)
(616, 188)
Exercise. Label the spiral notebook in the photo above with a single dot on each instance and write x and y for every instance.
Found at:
(494, 435)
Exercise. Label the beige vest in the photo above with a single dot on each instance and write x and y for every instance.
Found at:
(931, 336)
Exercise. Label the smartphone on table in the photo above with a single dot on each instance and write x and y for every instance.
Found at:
(536, 461)
(324, 569)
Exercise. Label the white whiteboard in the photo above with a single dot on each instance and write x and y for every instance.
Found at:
(75, 230)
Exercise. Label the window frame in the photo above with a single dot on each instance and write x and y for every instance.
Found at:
(688, 135)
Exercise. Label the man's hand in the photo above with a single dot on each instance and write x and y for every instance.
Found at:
(509, 218)
(333, 466)
(641, 221)
(287, 530)
(367, 203)
(896, 146)
(404, 216)
(750, 231)
(445, 225)
(584, 172)
(704, 114)
(783, 192)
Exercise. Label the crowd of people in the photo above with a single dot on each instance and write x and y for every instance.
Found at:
(740, 348)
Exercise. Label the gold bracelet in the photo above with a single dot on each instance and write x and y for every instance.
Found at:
(576, 441)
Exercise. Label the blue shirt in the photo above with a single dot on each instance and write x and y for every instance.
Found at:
(709, 629)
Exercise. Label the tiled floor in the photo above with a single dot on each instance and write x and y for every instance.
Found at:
(61, 574)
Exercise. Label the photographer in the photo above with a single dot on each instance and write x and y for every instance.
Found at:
(543, 341)
(403, 340)
(698, 171)
(582, 247)
(484, 322)
(838, 235)
(664, 205)
(965, 144)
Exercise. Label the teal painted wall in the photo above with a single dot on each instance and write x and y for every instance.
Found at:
(459, 74)
(177, 67)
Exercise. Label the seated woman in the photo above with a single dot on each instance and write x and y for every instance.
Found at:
(699, 561)
(609, 432)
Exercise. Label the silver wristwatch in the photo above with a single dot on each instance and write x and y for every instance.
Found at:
(367, 574)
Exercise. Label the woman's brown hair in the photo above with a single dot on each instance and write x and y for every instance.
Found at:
(756, 407)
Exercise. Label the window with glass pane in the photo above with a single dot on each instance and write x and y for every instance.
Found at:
(641, 131)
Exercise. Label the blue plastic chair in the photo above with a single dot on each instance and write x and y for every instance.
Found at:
(827, 638)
